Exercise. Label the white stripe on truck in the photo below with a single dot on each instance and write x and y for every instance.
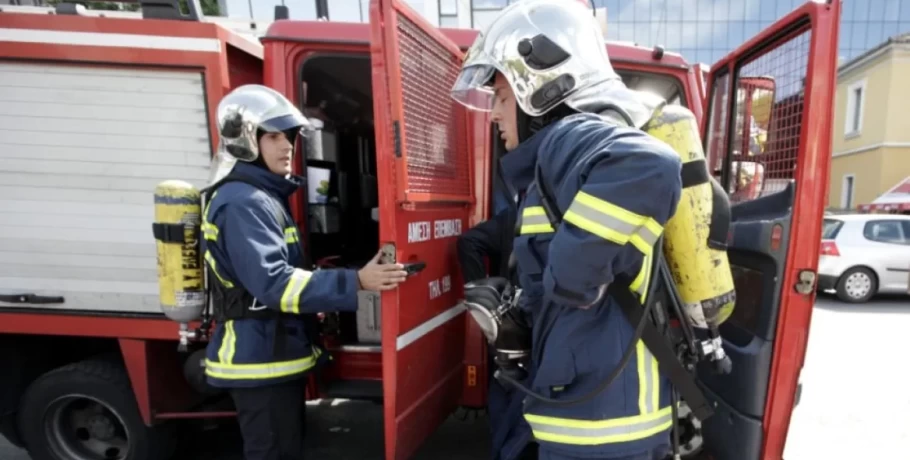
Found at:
(156, 42)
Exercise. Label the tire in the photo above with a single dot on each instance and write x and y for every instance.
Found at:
(857, 285)
(87, 411)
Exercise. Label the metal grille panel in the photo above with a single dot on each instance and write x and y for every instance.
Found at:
(768, 117)
(434, 128)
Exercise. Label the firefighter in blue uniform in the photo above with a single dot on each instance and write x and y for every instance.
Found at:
(264, 301)
(541, 68)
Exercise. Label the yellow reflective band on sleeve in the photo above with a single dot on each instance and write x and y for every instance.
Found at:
(291, 235)
(209, 231)
(648, 379)
(290, 299)
(261, 371)
(211, 261)
(534, 220)
(613, 223)
(642, 281)
(595, 432)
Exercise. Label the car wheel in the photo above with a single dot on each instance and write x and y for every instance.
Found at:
(857, 285)
(87, 411)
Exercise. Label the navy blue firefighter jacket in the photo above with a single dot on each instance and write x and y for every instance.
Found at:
(246, 246)
(616, 187)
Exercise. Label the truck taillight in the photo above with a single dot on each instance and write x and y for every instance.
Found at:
(829, 248)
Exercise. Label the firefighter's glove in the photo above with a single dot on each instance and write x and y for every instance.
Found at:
(486, 293)
(514, 332)
(483, 298)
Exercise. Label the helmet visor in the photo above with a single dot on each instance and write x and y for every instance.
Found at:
(294, 121)
(473, 87)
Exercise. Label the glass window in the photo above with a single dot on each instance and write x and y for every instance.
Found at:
(483, 18)
(448, 21)
(885, 231)
(485, 4)
(831, 228)
(448, 7)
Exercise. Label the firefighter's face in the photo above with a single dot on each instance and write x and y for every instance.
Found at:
(277, 152)
(503, 113)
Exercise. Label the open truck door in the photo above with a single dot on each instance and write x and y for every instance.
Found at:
(423, 164)
(775, 233)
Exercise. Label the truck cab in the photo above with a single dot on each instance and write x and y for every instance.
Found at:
(397, 166)
(407, 170)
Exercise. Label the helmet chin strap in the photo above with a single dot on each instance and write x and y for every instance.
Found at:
(529, 126)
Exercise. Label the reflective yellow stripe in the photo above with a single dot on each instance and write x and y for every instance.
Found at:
(648, 380)
(211, 261)
(593, 432)
(534, 220)
(291, 235)
(209, 231)
(228, 343)
(290, 299)
(643, 280)
(261, 371)
(613, 223)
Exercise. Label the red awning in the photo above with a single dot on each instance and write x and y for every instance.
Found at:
(897, 199)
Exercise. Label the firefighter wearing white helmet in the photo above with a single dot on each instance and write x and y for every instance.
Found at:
(600, 192)
(264, 300)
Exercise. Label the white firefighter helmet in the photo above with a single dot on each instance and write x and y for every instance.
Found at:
(550, 52)
(242, 115)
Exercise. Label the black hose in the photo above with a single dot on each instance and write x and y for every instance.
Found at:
(608, 381)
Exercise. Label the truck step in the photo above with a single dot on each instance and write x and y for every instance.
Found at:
(355, 389)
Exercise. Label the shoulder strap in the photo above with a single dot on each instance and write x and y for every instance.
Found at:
(666, 357)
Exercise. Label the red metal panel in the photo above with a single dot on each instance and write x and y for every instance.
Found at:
(155, 369)
(800, 53)
(424, 208)
(148, 345)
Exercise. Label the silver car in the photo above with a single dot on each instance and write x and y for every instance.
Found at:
(864, 254)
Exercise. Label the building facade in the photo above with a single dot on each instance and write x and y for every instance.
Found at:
(871, 145)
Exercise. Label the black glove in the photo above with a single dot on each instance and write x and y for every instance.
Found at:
(486, 292)
(514, 331)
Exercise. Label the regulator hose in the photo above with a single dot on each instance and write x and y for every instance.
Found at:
(603, 385)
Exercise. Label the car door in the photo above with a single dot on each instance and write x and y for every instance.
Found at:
(774, 237)
(886, 247)
(423, 162)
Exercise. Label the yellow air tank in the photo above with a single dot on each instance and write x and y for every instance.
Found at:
(700, 270)
(180, 267)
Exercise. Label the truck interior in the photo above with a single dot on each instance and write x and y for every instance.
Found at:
(342, 192)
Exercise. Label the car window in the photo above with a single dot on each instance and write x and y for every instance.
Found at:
(831, 228)
(885, 231)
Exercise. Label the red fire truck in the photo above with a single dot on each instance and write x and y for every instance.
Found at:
(96, 111)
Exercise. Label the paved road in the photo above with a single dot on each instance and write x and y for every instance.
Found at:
(855, 402)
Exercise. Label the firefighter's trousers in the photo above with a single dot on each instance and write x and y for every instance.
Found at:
(272, 420)
(659, 453)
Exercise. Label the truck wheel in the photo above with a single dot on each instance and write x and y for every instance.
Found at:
(87, 411)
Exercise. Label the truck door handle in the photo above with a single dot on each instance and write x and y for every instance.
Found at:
(413, 268)
(30, 298)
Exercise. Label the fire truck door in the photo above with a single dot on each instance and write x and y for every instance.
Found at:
(423, 165)
(777, 186)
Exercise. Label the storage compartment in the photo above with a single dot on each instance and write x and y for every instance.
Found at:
(342, 194)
